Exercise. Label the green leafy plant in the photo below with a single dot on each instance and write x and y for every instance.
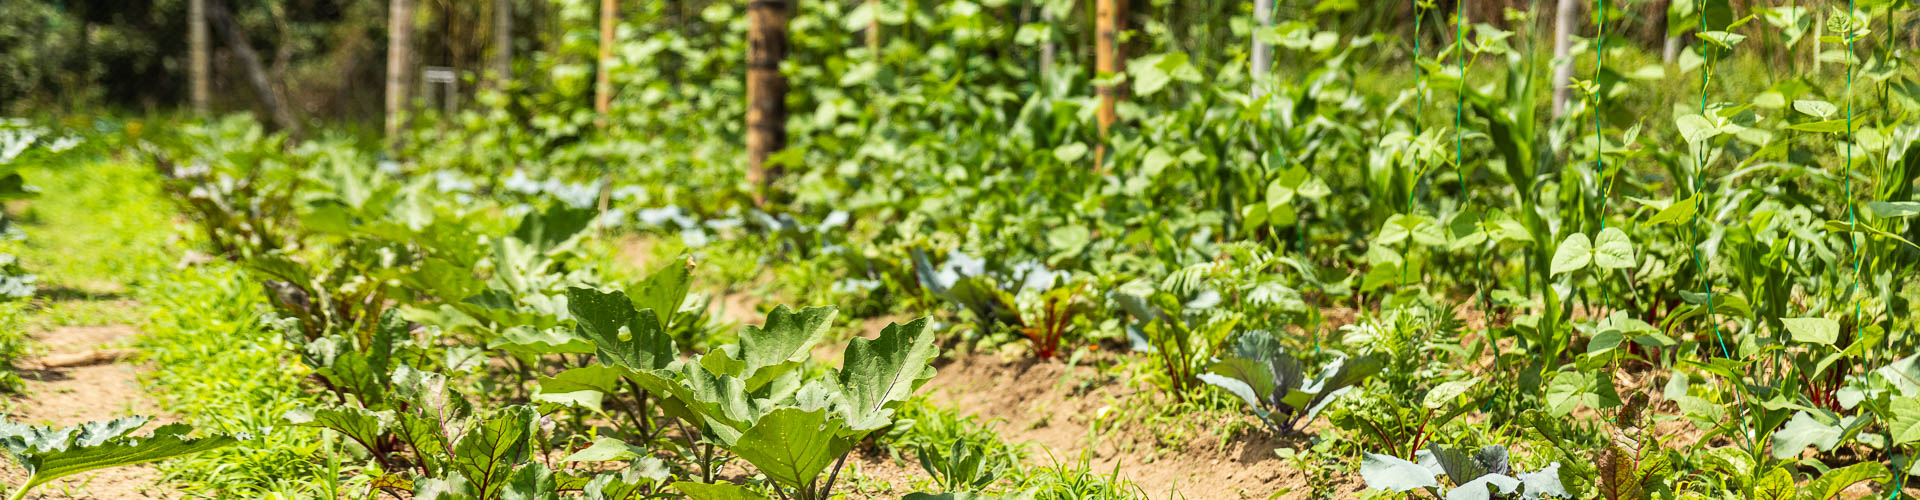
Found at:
(752, 399)
(1180, 324)
(1481, 474)
(961, 467)
(51, 453)
(1274, 383)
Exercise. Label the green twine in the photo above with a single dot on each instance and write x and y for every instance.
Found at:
(1700, 174)
(1460, 170)
(1599, 145)
(1699, 204)
(1419, 108)
(1847, 175)
(1853, 221)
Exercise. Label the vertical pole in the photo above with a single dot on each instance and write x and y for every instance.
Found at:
(766, 89)
(1671, 49)
(1047, 48)
(873, 27)
(502, 43)
(1108, 15)
(1563, 21)
(603, 82)
(197, 45)
(603, 96)
(1262, 53)
(399, 54)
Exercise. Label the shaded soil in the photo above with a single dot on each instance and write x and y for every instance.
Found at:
(73, 395)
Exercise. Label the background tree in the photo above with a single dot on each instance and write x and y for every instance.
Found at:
(1109, 18)
(198, 47)
(263, 88)
(603, 81)
(1262, 60)
(399, 58)
(766, 89)
(1563, 26)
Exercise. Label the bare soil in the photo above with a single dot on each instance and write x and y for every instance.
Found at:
(75, 394)
(1049, 407)
(1054, 407)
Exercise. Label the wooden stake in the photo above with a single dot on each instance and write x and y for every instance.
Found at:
(502, 43)
(199, 68)
(1563, 26)
(603, 83)
(1262, 53)
(1108, 20)
(873, 27)
(399, 58)
(766, 90)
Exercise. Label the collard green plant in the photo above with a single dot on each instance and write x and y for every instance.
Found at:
(1478, 475)
(51, 453)
(1274, 383)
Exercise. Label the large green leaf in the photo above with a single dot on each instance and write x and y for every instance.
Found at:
(1678, 211)
(792, 446)
(1253, 375)
(531, 482)
(353, 372)
(1696, 128)
(782, 344)
(585, 387)
(1829, 485)
(487, 453)
(664, 290)
(881, 372)
(532, 341)
(49, 453)
(1573, 254)
(1776, 484)
(720, 402)
(1385, 472)
(1903, 421)
(633, 483)
(1238, 388)
(547, 230)
(717, 491)
(601, 317)
(1802, 431)
(1903, 374)
(1821, 331)
(606, 449)
(363, 426)
(1613, 250)
(433, 411)
(1893, 209)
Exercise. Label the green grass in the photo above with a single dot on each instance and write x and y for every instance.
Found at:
(217, 364)
(14, 345)
(96, 226)
(104, 239)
